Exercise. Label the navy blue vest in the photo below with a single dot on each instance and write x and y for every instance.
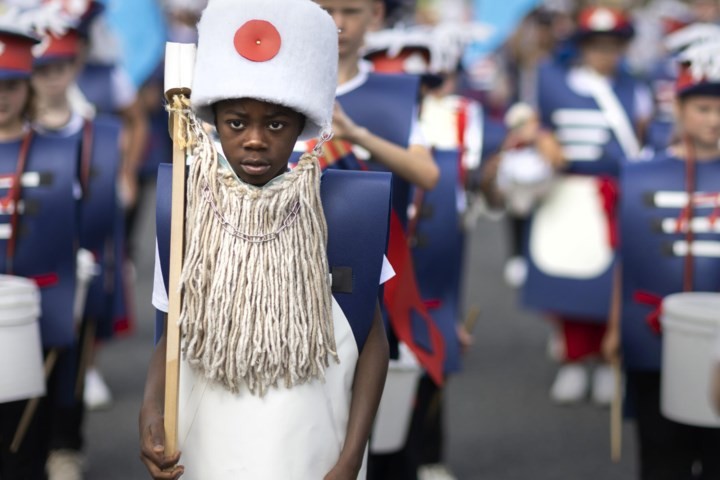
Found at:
(384, 105)
(100, 198)
(438, 245)
(47, 230)
(357, 210)
(651, 265)
(555, 97)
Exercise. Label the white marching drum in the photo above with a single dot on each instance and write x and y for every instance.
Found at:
(691, 322)
(21, 360)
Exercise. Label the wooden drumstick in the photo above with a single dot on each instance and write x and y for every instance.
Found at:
(32, 405)
(616, 414)
(471, 319)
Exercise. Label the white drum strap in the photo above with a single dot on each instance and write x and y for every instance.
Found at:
(614, 112)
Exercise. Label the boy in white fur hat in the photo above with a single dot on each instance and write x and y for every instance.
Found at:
(279, 378)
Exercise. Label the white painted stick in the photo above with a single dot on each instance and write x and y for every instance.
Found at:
(179, 67)
(179, 62)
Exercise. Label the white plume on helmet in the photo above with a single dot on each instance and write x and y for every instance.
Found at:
(704, 61)
(694, 34)
(445, 42)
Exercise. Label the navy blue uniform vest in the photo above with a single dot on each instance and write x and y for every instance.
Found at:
(47, 229)
(556, 97)
(649, 243)
(384, 105)
(438, 244)
(357, 210)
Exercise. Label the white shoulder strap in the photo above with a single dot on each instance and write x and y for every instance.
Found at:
(614, 112)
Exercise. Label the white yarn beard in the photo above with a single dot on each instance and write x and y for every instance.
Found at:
(256, 314)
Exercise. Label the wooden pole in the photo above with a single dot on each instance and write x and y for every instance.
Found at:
(180, 59)
(472, 318)
(616, 414)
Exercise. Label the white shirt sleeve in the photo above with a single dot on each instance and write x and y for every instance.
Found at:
(388, 272)
(159, 294)
(417, 137)
(474, 133)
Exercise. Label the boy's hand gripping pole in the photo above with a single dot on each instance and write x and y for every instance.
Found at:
(179, 65)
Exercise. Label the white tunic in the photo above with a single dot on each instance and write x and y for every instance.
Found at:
(288, 434)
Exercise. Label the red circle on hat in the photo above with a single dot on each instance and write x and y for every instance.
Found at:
(258, 41)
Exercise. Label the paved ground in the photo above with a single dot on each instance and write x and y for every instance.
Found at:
(501, 423)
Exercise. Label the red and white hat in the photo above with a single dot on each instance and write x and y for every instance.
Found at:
(603, 21)
(16, 60)
(279, 51)
(699, 70)
(57, 47)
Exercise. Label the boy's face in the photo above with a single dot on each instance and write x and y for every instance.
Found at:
(54, 79)
(353, 18)
(13, 100)
(257, 137)
(700, 118)
(603, 53)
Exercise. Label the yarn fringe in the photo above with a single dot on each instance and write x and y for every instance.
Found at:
(257, 305)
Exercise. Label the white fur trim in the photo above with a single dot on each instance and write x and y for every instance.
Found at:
(302, 76)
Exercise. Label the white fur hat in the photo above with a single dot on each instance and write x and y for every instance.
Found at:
(279, 51)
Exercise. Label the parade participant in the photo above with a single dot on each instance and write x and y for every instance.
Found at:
(39, 201)
(55, 70)
(298, 400)
(595, 110)
(454, 128)
(104, 88)
(377, 128)
(675, 18)
(664, 75)
(535, 41)
(669, 244)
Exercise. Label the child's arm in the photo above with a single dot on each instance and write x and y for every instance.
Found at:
(367, 389)
(611, 340)
(152, 427)
(414, 164)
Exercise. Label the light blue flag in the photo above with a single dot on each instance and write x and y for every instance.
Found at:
(504, 16)
(140, 27)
